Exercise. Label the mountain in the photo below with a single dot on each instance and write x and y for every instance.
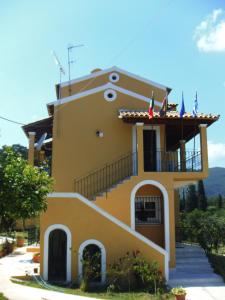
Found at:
(215, 183)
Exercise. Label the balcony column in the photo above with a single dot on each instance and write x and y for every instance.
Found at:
(204, 147)
(140, 158)
(182, 155)
(31, 148)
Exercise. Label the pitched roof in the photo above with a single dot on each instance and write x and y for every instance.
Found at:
(116, 69)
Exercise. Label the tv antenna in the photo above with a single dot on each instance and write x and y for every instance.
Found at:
(61, 69)
(70, 61)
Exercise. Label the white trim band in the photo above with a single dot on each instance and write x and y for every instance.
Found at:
(99, 89)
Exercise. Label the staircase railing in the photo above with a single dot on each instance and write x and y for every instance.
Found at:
(104, 178)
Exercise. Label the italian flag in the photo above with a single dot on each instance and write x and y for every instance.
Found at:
(151, 107)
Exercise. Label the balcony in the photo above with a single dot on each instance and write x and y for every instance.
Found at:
(173, 161)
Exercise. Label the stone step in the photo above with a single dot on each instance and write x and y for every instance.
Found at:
(189, 255)
(187, 250)
(195, 268)
(191, 260)
(184, 271)
(175, 283)
(195, 279)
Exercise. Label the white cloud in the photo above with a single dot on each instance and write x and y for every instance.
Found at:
(210, 33)
(216, 154)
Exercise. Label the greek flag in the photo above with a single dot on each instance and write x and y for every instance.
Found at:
(195, 107)
(182, 110)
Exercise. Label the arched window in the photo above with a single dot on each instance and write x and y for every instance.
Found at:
(92, 255)
(91, 261)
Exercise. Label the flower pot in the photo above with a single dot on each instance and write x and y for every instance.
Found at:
(20, 241)
(180, 297)
(36, 258)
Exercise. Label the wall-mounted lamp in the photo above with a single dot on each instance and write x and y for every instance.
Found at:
(99, 133)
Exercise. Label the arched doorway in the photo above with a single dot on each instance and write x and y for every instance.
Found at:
(166, 208)
(149, 213)
(91, 260)
(92, 254)
(57, 255)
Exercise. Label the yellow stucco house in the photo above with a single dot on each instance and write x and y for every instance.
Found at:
(116, 171)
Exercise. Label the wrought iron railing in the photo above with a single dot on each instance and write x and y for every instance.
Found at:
(163, 161)
(102, 179)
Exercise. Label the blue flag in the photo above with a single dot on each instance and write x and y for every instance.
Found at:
(195, 108)
(182, 110)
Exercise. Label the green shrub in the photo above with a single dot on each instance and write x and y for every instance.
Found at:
(133, 272)
(91, 264)
(205, 228)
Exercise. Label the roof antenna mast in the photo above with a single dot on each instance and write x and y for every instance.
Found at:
(61, 70)
(70, 61)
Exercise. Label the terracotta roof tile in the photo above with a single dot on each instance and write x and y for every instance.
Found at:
(124, 113)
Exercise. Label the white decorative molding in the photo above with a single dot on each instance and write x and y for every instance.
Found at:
(110, 95)
(68, 251)
(114, 77)
(139, 124)
(166, 212)
(202, 125)
(119, 223)
(103, 258)
(99, 89)
(115, 69)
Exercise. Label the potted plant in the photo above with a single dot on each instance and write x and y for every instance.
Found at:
(179, 293)
(20, 241)
(36, 258)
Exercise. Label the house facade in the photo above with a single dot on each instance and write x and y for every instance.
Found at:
(116, 172)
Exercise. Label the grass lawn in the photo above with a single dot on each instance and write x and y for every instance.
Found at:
(2, 297)
(101, 294)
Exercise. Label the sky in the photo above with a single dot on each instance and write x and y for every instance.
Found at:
(180, 44)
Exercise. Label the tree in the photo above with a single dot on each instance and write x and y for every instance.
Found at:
(219, 201)
(17, 148)
(23, 189)
(191, 198)
(202, 200)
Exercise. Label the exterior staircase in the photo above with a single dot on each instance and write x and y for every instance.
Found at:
(192, 268)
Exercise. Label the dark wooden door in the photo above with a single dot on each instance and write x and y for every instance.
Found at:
(149, 148)
(57, 257)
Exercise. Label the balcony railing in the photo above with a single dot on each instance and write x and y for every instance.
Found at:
(162, 161)
(103, 179)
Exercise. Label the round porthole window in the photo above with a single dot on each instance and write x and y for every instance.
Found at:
(110, 95)
(114, 77)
